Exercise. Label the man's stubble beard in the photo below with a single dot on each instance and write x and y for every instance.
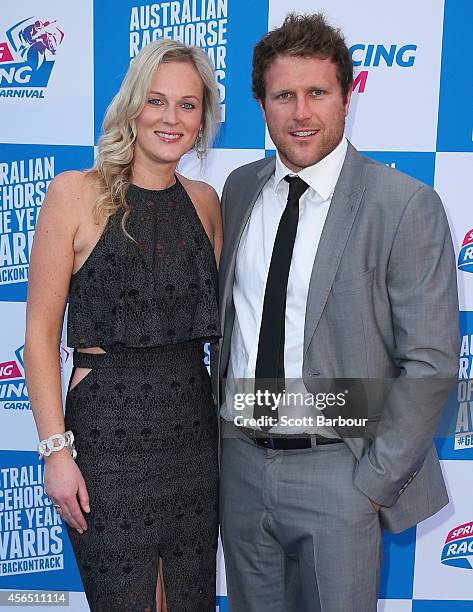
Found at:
(327, 143)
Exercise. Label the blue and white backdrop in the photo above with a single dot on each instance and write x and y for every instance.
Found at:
(411, 109)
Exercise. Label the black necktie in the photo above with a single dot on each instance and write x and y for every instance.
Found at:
(269, 372)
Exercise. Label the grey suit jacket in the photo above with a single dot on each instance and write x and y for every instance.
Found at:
(382, 307)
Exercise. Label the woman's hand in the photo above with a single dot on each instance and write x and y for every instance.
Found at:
(65, 487)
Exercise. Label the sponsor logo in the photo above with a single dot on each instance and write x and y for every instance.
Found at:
(458, 548)
(13, 391)
(465, 256)
(27, 57)
(202, 23)
(375, 56)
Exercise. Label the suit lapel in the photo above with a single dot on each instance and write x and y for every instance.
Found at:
(341, 215)
(247, 196)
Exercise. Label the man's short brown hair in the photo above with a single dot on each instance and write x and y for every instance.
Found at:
(302, 36)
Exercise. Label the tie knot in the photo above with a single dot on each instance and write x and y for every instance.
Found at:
(296, 187)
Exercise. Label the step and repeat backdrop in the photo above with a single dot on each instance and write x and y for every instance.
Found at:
(60, 65)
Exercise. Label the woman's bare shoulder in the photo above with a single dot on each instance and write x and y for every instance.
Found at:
(73, 191)
(202, 194)
(70, 181)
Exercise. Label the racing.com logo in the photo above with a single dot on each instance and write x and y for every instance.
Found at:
(465, 256)
(375, 56)
(27, 57)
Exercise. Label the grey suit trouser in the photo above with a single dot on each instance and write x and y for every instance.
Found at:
(298, 536)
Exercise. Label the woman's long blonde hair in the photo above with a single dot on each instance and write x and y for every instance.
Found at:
(112, 168)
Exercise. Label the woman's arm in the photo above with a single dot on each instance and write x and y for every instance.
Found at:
(51, 266)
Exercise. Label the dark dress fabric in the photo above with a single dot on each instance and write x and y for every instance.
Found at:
(159, 288)
(144, 417)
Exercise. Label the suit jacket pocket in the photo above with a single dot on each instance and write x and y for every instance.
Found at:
(343, 285)
(349, 302)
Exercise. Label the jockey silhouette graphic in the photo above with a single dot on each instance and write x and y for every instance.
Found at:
(32, 39)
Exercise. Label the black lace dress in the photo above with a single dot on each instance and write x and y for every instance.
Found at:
(144, 417)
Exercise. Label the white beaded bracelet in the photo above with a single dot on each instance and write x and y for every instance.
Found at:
(56, 443)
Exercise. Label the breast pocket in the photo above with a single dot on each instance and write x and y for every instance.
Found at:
(345, 285)
(347, 310)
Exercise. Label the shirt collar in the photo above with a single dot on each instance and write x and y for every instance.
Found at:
(322, 176)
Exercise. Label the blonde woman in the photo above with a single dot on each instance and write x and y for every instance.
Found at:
(133, 247)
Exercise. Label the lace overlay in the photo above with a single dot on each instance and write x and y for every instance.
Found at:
(158, 289)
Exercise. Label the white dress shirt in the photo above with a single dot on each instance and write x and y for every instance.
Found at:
(252, 266)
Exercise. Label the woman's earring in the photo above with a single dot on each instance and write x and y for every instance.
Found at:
(199, 145)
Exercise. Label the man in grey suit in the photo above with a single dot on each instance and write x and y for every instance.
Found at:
(337, 272)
